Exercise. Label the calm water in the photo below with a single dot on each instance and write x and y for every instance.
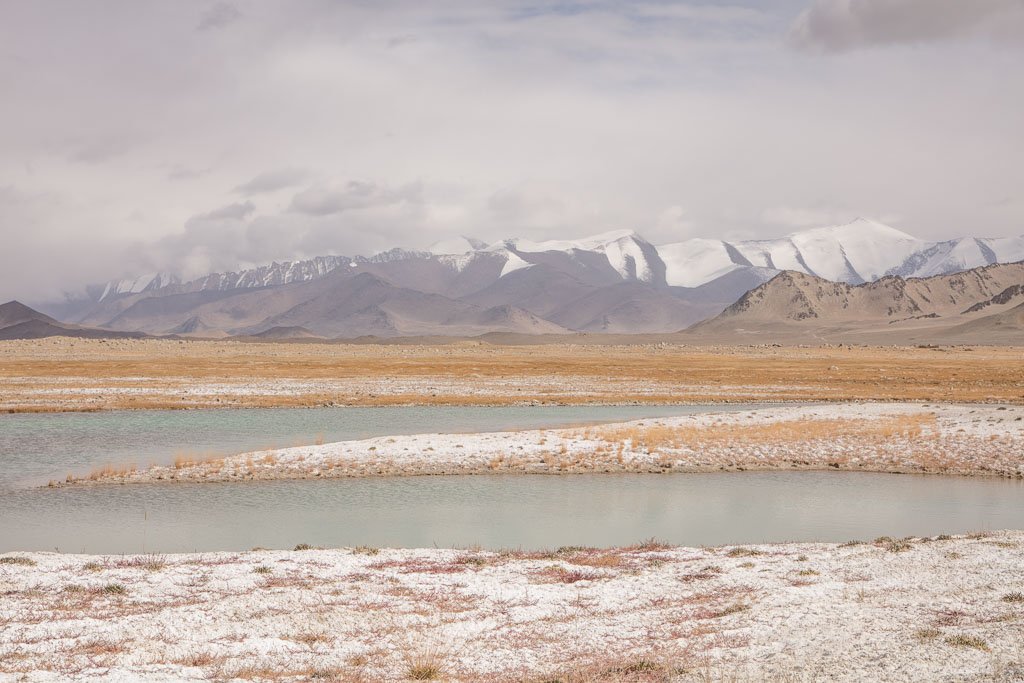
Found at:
(492, 511)
(508, 511)
(37, 448)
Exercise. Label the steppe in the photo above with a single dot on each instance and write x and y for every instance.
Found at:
(60, 374)
(934, 608)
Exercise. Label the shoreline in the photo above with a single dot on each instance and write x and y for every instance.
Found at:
(904, 438)
(933, 608)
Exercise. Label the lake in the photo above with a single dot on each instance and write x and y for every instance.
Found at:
(493, 511)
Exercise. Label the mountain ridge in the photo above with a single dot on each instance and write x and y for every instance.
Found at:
(794, 305)
(610, 282)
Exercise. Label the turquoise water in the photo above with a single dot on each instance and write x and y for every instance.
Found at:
(492, 511)
(35, 448)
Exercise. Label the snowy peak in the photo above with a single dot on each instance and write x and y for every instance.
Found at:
(628, 254)
(856, 252)
(145, 283)
(961, 254)
(618, 278)
(860, 251)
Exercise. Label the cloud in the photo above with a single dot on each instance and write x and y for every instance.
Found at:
(219, 15)
(100, 150)
(804, 217)
(235, 236)
(842, 25)
(675, 221)
(509, 118)
(323, 201)
(234, 212)
(181, 173)
(271, 181)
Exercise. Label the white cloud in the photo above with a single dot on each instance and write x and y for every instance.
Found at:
(839, 25)
(271, 181)
(490, 119)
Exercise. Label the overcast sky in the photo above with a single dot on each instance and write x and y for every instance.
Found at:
(138, 135)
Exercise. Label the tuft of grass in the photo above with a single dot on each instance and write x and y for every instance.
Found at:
(850, 544)
(303, 546)
(962, 640)
(743, 552)
(200, 659)
(734, 608)
(92, 567)
(18, 559)
(114, 589)
(311, 638)
(927, 634)
(151, 563)
(426, 665)
(556, 574)
(365, 550)
(898, 546)
(807, 572)
(262, 569)
(1014, 597)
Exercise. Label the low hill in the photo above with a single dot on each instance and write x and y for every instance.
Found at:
(18, 321)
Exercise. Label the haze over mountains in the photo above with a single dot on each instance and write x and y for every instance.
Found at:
(610, 283)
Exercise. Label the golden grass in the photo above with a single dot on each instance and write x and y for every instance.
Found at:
(654, 437)
(484, 374)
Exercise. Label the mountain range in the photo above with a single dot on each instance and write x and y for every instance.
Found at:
(981, 305)
(615, 282)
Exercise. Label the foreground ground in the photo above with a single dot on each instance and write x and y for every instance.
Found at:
(70, 374)
(872, 437)
(942, 609)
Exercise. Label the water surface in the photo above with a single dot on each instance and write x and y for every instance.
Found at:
(35, 448)
(501, 511)
(507, 511)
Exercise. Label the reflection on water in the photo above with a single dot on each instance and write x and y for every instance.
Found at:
(507, 511)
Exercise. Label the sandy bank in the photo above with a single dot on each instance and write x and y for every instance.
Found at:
(895, 610)
(905, 438)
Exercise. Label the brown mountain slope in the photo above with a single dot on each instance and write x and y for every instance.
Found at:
(794, 306)
(18, 321)
(15, 312)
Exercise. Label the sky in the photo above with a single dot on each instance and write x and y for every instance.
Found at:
(195, 136)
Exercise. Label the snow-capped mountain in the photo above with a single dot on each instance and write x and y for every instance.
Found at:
(954, 256)
(612, 282)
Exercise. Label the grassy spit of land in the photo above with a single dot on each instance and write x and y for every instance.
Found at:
(71, 374)
(871, 437)
(917, 609)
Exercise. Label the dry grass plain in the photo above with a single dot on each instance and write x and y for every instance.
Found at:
(68, 374)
